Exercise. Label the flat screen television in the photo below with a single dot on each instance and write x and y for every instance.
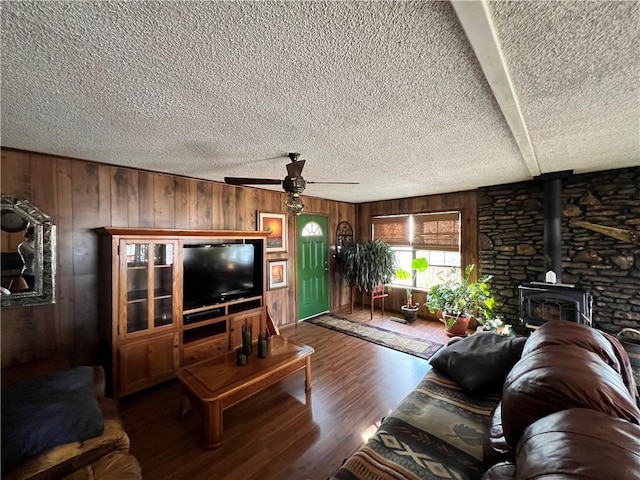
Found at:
(220, 272)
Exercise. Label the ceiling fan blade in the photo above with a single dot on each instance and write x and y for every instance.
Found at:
(251, 181)
(294, 169)
(337, 183)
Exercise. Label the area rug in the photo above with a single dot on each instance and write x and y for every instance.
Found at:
(418, 347)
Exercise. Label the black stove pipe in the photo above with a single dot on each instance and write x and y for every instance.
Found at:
(552, 221)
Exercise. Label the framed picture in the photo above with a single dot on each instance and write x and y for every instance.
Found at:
(277, 274)
(276, 223)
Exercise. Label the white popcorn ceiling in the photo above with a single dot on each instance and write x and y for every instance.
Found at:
(388, 94)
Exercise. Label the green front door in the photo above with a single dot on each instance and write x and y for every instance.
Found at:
(313, 265)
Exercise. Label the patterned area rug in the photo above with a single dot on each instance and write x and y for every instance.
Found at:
(418, 347)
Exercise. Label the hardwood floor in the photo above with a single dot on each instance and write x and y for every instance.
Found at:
(282, 433)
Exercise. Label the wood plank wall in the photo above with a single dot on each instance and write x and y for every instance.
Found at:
(83, 195)
(465, 202)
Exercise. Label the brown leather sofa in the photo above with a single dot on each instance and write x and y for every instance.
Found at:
(103, 457)
(560, 404)
(568, 410)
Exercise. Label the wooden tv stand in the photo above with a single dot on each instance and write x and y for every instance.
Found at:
(150, 334)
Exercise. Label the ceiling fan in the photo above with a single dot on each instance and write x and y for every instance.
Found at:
(294, 183)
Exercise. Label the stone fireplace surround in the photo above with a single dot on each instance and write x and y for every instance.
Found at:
(511, 229)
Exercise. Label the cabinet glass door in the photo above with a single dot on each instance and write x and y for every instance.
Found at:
(149, 272)
(163, 271)
(137, 286)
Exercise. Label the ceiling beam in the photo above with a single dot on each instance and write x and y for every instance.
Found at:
(477, 23)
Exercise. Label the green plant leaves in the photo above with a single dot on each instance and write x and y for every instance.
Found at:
(418, 265)
(402, 274)
(461, 297)
(366, 265)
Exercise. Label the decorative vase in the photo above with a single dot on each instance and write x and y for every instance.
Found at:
(263, 346)
(247, 347)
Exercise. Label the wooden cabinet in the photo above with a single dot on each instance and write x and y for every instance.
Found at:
(146, 362)
(149, 333)
(143, 276)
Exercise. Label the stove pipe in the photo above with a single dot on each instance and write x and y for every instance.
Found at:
(552, 221)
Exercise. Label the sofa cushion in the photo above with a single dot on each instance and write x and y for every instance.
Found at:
(562, 332)
(560, 377)
(43, 412)
(579, 443)
(606, 346)
(480, 362)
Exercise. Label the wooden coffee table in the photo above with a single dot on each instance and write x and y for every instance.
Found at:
(218, 383)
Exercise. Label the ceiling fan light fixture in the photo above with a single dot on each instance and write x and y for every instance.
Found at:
(294, 205)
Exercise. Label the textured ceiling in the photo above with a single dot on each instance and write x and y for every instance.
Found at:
(389, 94)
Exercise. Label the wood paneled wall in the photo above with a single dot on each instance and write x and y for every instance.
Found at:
(82, 195)
(465, 202)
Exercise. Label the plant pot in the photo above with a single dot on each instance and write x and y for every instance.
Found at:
(410, 314)
(459, 327)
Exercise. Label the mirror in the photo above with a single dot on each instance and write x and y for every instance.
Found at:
(22, 223)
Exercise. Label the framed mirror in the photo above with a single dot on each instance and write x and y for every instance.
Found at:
(28, 254)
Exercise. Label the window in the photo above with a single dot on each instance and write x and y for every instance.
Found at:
(312, 229)
(435, 236)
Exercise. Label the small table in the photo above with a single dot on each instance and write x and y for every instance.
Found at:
(218, 383)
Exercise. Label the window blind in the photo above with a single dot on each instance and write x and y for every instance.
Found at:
(430, 231)
(394, 230)
(436, 231)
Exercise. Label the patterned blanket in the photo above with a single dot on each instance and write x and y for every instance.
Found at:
(436, 432)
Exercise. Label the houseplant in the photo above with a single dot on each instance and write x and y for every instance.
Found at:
(458, 299)
(410, 309)
(366, 265)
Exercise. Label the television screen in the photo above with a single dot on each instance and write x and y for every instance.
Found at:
(220, 272)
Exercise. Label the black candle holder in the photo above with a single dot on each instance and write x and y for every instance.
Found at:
(247, 340)
(241, 358)
(263, 346)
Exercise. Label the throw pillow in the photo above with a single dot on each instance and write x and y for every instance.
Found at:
(43, 412)
(479, 362)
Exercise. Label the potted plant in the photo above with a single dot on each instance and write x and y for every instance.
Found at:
(366, 265)
(410, 309)
(459, 299)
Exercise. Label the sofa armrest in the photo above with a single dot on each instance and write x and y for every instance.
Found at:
(64, 459)
(582, 443)
(115, 466)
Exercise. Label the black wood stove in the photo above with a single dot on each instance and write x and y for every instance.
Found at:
(541, 302)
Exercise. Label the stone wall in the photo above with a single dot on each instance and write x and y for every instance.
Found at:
(511, 228)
